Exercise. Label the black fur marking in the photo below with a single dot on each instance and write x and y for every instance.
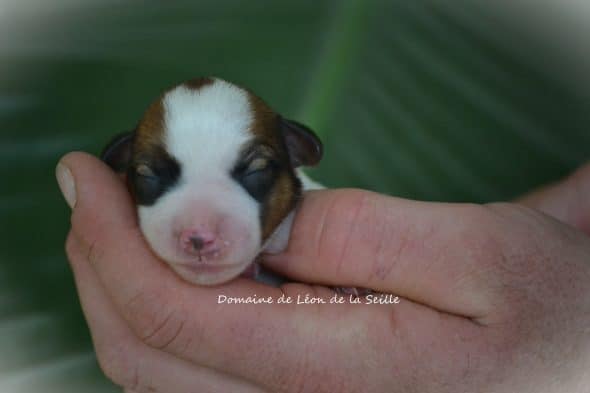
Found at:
(303, 145)
(117, 153)
(147, 189)
(257, 183)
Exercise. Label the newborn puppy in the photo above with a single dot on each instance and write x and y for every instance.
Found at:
(213, 171)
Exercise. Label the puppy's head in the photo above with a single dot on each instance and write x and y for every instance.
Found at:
(211, 169)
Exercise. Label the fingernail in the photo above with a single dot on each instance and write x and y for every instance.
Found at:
(66, 184)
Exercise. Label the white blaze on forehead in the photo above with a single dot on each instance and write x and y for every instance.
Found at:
(206, 127)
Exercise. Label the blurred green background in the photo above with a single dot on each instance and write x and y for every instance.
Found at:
(447, 101)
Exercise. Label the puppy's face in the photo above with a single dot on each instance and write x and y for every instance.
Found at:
(211, 168)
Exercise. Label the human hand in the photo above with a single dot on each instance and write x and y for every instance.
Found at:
(495, 298)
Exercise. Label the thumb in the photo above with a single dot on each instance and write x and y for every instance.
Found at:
(419, 250)
(568, 200)
(100, 201)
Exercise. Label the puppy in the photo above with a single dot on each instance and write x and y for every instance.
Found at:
(214, 173)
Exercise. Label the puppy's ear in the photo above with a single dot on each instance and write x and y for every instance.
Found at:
(303, 145)
(117, 154)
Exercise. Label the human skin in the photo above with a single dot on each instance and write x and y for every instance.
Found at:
(494, 298)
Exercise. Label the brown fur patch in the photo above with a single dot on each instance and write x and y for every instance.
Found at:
(286, 191)
(281, 200)
(197, 83)
(264, 126)
(150, 131)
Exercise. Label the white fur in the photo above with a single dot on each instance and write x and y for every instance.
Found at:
(206, 127)
(307, 182)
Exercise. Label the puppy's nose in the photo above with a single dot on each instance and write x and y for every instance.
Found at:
(198, 241)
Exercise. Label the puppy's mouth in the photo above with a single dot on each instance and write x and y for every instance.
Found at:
(207, 267)
(203, 257)
(208, 273)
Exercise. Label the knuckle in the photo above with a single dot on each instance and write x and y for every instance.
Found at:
(95, 252)
(156, 322)
(89, 243)
(94, 239)
(390, 246)
(91, 250)
(479, 233)
(343, 213)
(523, 257)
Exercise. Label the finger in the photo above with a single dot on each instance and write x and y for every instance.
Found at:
(567, 200)
(127, 361)
(433, 253)
(169, 314)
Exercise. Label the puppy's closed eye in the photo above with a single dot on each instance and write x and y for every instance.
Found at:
(144, 170)
(257, 164)
(257, 177)
(147, 185)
